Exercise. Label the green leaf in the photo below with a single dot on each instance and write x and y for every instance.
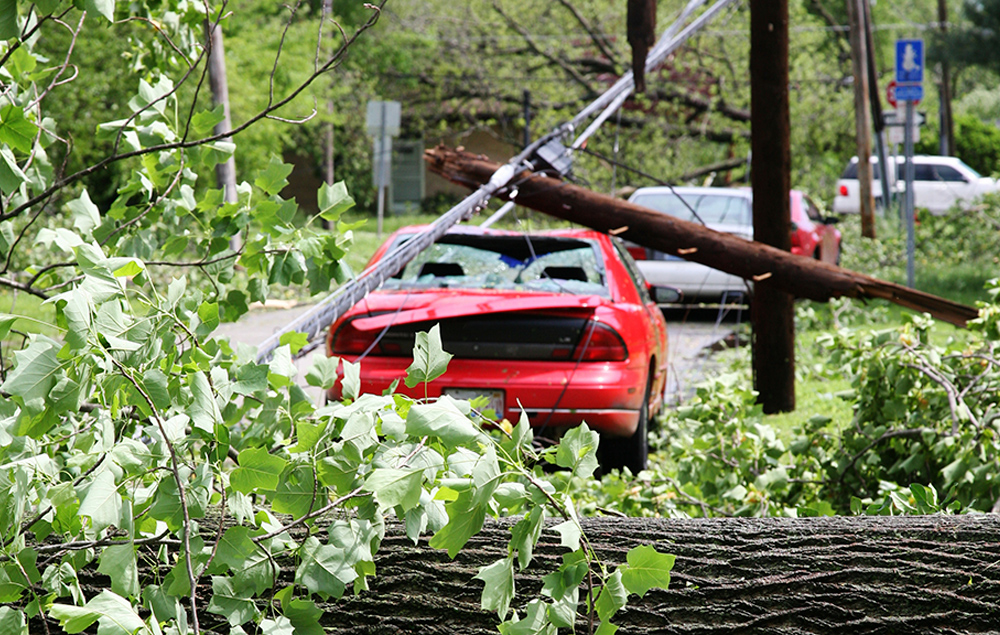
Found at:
(534, 622)
(273, 179)
(323, 373)
(296, 494)
(351, 384)
(102, 503)
(35, 371)
(569, 534)
(578, 451)
(257, 470)
(114, 613)
(6, 323)
(334, 200)
(394, 487)
(304, 616)
(613, 596)
(465, 519)
(647, 568)
(11, 175)
(295, 340)
(441, 419)
(119, 564)
(12, 621)
(105, 8)
(86, 217)
(236, 606)
(235, 548)
(323, 569)
(525, 535)
(429, 359)
(8, 20)
(204, 412)
(156, 384)
(15, 130)
(499, 590)
(567, 578)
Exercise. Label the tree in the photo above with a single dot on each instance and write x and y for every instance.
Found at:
(129, 434)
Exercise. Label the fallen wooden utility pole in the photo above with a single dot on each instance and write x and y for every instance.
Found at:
(801, 276)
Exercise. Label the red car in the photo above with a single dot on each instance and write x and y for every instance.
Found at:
(560, 324)
(812, 234)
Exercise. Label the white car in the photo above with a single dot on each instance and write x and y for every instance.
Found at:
(939, 183)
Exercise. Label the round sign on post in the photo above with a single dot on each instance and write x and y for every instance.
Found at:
(890, 93)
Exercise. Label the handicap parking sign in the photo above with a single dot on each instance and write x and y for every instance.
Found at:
(909, 61)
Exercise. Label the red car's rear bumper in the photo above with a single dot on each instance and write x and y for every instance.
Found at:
(607, 395)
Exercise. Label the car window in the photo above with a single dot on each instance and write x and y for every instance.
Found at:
(851, 172)
(811, 210)
(708, 208)
(948, 173)
(969, 170)
(633, 271)
(530, 263)
(923, 172)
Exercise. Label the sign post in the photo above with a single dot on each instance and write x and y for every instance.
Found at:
(382, 121)
(909, 89)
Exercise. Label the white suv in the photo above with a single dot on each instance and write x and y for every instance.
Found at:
(939, 183)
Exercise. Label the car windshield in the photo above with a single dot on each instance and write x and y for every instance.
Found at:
(550, 264)
(712, 209)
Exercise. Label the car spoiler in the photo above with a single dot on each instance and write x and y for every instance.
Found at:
(471, 305)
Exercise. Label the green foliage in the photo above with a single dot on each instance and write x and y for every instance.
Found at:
(977, 142)
(136, 443)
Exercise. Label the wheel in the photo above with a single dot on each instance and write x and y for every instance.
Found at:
(615, 453)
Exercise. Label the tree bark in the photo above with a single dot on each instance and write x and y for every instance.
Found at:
(775, 576)
(225, 172)
(931, 574)
(801, 276)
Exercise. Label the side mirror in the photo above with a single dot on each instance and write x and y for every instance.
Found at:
(665, 295)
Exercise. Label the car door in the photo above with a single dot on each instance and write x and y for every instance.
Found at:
(657, 325)
(928, 191)
(958, 187)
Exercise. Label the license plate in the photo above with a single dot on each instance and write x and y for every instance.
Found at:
(496, 398)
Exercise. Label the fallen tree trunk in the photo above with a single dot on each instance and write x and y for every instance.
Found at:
(801, 276)
(915, 574)
(902, 574)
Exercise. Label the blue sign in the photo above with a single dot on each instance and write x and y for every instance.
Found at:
(909, 63)
(909, 92)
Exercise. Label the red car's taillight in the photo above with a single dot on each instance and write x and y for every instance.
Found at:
(843, 190)
(600, 343)
(351, 341)
(637, 252)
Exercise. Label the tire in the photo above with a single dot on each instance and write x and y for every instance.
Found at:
(615, 453)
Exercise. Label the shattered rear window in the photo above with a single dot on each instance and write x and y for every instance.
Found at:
(549, 264)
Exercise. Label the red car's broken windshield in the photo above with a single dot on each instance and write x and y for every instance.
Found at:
(550, 264)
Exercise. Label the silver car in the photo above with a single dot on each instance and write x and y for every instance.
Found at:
(721, 209)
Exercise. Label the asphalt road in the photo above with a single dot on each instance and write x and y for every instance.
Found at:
(690, 340)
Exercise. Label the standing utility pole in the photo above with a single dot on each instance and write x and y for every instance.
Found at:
(772, 310)
(225, 172)
(947, 127)
(862, 115)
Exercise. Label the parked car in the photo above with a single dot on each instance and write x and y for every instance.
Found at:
(559, 323)
(939, 183)
(727, 210)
